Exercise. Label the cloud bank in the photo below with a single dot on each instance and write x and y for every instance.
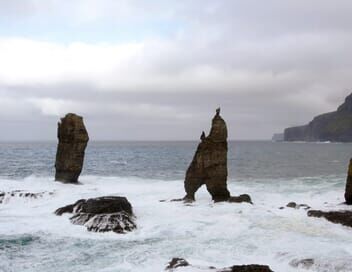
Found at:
(268, 65)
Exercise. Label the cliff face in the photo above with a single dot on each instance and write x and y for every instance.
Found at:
(334, 126)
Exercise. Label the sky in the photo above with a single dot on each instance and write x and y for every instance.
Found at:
(158, 69)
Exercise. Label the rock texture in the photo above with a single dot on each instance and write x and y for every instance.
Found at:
(334, 126)
(337, 217)
(73, 139)
(6, 196)
(348, 190)
(179, 262)
(240, 199)
(209, 164)
(102, 214)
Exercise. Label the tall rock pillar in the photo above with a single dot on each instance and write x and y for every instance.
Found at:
(348, 191)
(209, 164)
(73, 139)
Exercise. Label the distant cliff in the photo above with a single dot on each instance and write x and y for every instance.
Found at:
(333, 126)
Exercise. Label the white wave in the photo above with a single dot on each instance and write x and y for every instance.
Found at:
(204, 233)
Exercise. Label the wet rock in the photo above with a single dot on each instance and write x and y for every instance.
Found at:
(337, 217)
(209, 164)
(240, 199)
(102, 214)
(73, 139)
(247, 268)
(6, 196)
(348, 190)
(304, 263)
(179, 262)
(294, 205)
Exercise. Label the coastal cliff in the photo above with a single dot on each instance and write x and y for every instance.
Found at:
(333, 126)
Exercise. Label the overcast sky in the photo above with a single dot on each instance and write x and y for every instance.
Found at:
(157, 69)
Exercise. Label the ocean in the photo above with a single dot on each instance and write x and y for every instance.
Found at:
(32, 238)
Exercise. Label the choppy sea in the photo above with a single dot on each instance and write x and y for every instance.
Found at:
(32, 238)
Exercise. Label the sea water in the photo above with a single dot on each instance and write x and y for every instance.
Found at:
(32, 238)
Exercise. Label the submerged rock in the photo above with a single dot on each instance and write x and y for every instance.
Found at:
(337, 217)
(179, 262)
(102, 214)
(303, 263)
(209, 164)
(5, 196)
(348, 190)
(73, 139)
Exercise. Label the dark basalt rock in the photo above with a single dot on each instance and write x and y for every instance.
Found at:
(73, 139)
(209, 164)
(179, 262)
(294, 205)
(176, 262)
(240, 199)
(334, 126)
(22, 194)
(337, 217)
(102, 214)
(348, 190)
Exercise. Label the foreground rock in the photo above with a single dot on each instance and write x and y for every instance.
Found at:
(334, 126)
(209, 164)
(73, 139)
(102, 214)
(337, 217)
(179, 262)
(348, 190)
(5, 196)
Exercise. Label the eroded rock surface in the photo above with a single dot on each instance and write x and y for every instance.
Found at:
(348, 190)
(73, 139)
(209, 164)
(179, 262)
(337, 217)
(102, 214)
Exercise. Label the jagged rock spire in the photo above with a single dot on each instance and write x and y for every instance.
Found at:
(209, 164)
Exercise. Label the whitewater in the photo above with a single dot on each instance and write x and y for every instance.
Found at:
(32, 238)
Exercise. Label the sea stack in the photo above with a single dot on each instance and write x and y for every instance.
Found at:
(209, 164)
(348, 191)
(73, 139)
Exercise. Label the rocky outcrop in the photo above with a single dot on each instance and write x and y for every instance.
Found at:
(102, 214)
(337, 217)
(209, 164)
(334, 126)
(240, 199)
(348, 190)
(294, 205)
(179, 262)
(6, 196)
(73, 139)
